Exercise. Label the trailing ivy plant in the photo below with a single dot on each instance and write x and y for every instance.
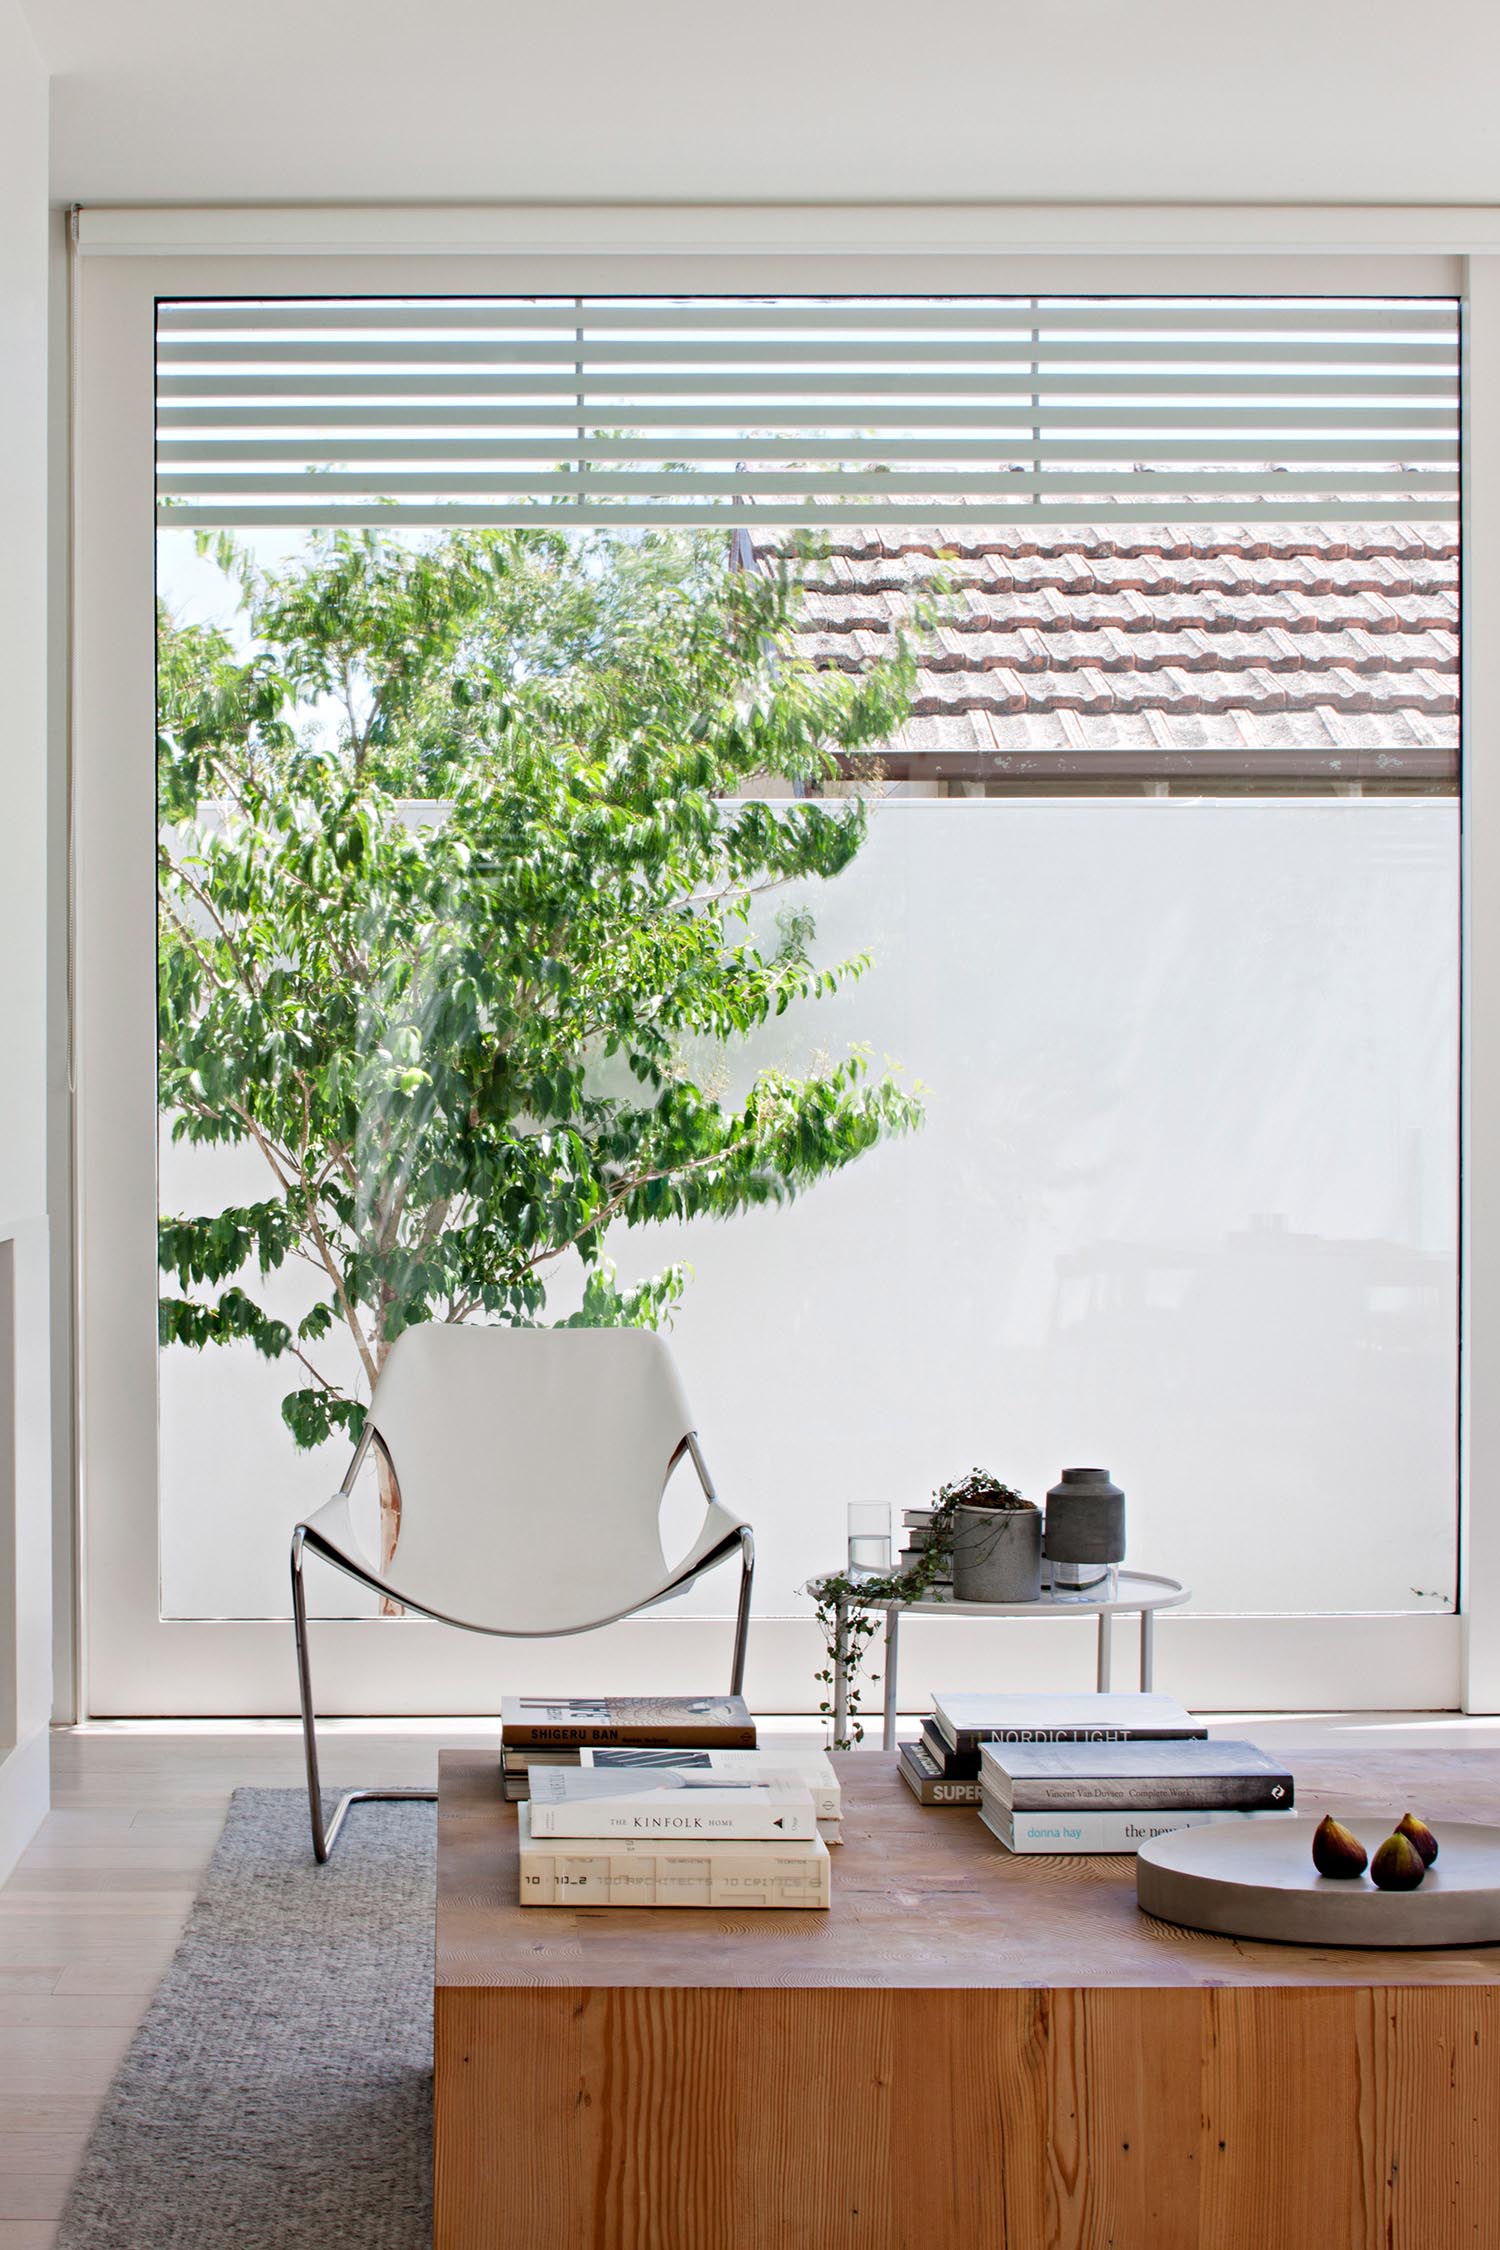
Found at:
(847, 1605)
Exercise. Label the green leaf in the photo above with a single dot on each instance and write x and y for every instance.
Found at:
(469, 1043)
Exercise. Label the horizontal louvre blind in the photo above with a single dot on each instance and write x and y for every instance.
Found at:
(815, 412)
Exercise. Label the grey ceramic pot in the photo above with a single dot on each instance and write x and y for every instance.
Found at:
(1085, 1518)
(997, 1554)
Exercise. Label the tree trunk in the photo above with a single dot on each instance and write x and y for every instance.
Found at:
(390, 1524)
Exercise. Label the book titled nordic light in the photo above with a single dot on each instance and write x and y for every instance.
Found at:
(663, 1871)
(668, 1801)
(965, 1721)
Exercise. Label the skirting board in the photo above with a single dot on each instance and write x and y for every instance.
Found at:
(25, 1796)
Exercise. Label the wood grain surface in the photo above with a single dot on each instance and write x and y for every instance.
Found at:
(969, 2052)
(923, 1896)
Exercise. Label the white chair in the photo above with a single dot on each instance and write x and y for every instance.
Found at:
(509, 1445)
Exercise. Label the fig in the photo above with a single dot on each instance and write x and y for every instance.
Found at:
(1398, 1865)
(1417, 1832)
(1336, 1850)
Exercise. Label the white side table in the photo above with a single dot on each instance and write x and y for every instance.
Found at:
(1138, 1593)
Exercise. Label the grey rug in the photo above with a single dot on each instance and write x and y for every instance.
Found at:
(278, 2095)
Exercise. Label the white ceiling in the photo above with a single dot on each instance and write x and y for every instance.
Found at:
(773, 100)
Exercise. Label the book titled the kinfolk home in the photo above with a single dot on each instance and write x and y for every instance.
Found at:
(711, 1722)
(662, 1801)
(1138, 1776)
(966, 1721)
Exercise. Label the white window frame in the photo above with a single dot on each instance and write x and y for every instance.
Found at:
(134, 1662)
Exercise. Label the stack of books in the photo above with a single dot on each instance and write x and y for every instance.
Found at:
(691, 1822)
(1115, 1796)
(918, 1529)
(536, 1732)
(942, 1766)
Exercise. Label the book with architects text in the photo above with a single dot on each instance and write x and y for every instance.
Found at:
(654, 1871)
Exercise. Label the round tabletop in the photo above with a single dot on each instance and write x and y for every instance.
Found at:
(1135, 1591)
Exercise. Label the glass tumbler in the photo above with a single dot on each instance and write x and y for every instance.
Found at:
(869, 1538)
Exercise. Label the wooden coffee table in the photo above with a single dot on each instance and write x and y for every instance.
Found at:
(969, 2051)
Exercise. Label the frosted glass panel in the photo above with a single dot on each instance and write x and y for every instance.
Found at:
(1185, 1203)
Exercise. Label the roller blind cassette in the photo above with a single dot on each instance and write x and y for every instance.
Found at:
(806, 412)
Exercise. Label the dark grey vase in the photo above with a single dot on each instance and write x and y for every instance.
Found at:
(997, 1554)
(1085, 1518)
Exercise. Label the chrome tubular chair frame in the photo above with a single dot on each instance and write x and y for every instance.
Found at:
(306, 1539)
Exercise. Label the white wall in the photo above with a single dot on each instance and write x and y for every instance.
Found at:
(25, 1491)
(1185, 1203)
(206, 101)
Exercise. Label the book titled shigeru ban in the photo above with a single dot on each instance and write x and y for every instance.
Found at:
(720, 1722)
(1132, 1777)
(966, 1721)
(670, 1802)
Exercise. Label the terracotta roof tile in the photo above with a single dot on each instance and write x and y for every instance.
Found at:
(1262, 638)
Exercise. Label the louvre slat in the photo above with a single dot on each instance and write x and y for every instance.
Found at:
(211, 446)
(1254, 317)
(785, 412)
(861, 355)
(747, 388)
(1020, 420)
(695, 515)
(958, 484)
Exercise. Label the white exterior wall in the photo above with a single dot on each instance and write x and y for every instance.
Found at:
(1185, 1204)
(25, 1393)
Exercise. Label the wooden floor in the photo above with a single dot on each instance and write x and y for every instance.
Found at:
(90, 1917)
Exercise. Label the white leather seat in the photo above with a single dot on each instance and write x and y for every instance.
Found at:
(492, 1435)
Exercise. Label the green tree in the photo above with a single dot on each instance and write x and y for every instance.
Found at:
(457, 1031)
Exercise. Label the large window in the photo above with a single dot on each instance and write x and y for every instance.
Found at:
(914, 837)
(1184, 1193)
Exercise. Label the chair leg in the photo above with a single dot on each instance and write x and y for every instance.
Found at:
(324, 1838)
(320, 1838)
(742, 1619)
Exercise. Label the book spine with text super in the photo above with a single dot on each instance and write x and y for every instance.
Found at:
(1097, 1831)
(685, 1816)
(936, 1788)
(1120, 1793)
